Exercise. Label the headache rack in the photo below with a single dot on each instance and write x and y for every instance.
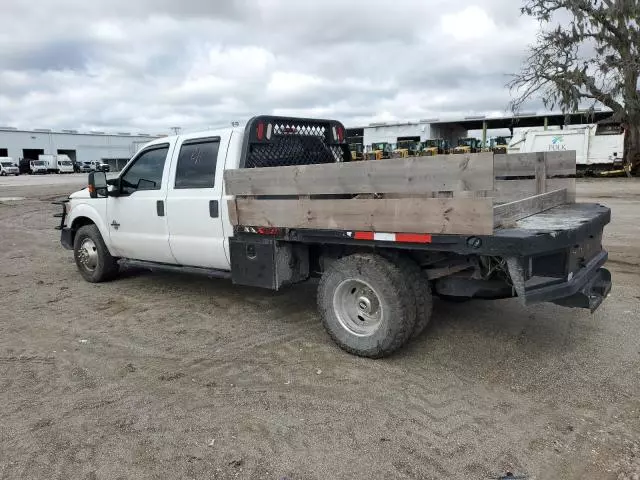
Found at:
(271, 141)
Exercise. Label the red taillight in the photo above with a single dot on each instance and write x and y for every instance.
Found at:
(268, 230)
(260, 131)
(340, 134)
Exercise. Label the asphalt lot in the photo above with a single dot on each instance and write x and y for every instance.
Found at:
(172, 376)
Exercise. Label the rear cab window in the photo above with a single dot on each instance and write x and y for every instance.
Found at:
(196, 166)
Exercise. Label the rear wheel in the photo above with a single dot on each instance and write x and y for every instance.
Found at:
(421, 291)
(92, 257)
(366, 305)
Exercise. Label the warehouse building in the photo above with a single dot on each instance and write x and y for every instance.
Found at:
(478, 125)
(112, 148)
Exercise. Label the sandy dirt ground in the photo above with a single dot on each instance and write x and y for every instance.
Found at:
(163, 376)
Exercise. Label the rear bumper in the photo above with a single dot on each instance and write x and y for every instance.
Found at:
(587, 288)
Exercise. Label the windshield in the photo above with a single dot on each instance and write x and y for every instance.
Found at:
(431, 143)
(7, 164)
(66, 163)
(466, 142)
(379, 146)
(39, 163)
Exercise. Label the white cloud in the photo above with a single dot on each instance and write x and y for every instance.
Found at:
(148, 65)
(472, 23)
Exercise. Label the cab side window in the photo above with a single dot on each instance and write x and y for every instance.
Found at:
(146, 171)
(197, 163)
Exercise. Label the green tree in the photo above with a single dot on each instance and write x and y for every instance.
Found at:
(587, 52)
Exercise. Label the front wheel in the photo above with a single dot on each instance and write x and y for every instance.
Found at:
(366, 305)
(92, 257)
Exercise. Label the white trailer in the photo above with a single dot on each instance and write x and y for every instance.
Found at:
(597, 147)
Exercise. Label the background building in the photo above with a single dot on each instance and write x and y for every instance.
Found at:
(114, 149)
(478, 126)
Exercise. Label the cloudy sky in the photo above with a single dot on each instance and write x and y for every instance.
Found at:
(147, 65)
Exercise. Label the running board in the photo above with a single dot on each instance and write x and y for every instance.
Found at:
(166, 267)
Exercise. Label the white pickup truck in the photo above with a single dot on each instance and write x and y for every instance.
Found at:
(168, 210)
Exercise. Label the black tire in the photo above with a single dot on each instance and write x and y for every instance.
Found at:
(386, 286)
(105, 267)
(452, 299)
(421, 291)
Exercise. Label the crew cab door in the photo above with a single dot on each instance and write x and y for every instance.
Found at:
(194, 212)
(136, 216)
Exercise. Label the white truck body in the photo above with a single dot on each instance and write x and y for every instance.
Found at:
(592, 146)
(57, 163)
(8, 166)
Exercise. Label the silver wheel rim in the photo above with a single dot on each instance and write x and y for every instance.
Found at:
(357, 307)
(88, 254)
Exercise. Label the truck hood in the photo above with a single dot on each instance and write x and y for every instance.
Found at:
(84, 193)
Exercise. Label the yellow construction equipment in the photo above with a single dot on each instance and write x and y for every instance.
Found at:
(379, 150)
(468, 145)
(405, 148)
(356, 151)
(435, 146)
(499, 144)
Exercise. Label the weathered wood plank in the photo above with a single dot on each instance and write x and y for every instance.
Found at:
(560, 163)
(511, 190)
(233, 211)
(506, 214)
(569, 184)
(524, 164)
(541, 173)
(418, 215)
(407, 175)
(514, 164)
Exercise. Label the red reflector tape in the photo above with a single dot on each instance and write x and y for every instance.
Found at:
(392, 237)
(268, 230)
(413, 237)
(363, 236)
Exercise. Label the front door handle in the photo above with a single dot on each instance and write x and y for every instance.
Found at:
(160, 208)
(115, 225)
(213, 208)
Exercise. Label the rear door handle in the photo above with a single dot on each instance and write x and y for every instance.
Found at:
(213, 208)
(160, 208)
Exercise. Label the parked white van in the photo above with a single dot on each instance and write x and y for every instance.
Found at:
(8, 166)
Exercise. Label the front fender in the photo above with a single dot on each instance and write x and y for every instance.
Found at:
(95, 213)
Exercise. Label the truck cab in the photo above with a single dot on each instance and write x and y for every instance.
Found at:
(167, 203)
(64, 164)
(38, 166)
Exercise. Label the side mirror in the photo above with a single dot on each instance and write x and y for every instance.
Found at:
(97, 184)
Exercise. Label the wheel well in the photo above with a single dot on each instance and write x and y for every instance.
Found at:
(78, 223)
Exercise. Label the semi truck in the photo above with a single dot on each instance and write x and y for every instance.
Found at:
(268, 206)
